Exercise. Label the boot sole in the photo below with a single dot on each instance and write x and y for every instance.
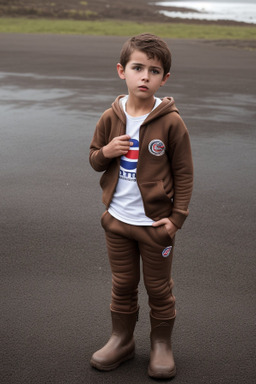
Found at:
(162, 375)
(113, 366)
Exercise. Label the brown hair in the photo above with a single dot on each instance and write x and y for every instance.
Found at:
(151, 45)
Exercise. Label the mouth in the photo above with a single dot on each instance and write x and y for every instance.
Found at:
(143, 88)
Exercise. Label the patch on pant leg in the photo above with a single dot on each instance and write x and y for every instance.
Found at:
(166, 252)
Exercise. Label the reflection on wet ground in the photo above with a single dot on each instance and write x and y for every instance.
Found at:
(80, 94)
(67, 92)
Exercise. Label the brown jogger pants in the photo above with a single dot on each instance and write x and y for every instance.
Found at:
(125, 244)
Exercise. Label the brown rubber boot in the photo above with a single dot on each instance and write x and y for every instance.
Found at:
(162, 365)
(120, 346)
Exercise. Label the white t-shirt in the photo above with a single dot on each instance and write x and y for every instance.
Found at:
(127, 205)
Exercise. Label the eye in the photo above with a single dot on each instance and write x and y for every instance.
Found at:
(137, 68)
(155, 71)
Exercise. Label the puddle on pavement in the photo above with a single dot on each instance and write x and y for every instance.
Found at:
(93, 95)
(62, 92)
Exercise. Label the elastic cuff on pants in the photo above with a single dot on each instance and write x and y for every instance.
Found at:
(125, 313)
(163, 319)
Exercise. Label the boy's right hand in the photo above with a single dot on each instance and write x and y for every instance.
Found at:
(118, 146)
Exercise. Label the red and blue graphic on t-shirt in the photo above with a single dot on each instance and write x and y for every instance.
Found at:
(130, 160)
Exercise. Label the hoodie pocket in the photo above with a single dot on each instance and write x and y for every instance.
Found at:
(157, 203)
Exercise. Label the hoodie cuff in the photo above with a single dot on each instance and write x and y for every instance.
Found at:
(178, 217)
(99, 161)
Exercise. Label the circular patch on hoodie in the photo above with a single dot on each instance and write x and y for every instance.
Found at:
(156, 147)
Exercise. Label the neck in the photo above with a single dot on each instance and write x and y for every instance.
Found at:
(139, 107)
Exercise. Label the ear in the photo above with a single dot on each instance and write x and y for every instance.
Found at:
(165, 78)
(120, 71)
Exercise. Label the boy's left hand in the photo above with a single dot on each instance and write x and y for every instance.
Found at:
(169, 226)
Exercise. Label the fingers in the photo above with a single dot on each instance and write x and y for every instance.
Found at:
(160, 222)
(169, 226)
(123, 137)
(123, 143)
(119, 146)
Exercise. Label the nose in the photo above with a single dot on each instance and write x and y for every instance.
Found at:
(145, 75)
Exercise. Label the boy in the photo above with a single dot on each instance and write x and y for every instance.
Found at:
(143, 147)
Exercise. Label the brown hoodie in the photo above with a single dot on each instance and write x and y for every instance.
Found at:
(164, 170)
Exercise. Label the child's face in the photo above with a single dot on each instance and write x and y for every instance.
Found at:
(143, 76)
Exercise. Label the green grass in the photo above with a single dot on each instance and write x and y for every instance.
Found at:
(122, 28)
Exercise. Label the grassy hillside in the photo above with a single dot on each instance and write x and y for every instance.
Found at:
(114, 17)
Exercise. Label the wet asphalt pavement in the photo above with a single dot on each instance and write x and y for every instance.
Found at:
(55, 280)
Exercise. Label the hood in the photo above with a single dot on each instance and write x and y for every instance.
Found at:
(167, 106)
